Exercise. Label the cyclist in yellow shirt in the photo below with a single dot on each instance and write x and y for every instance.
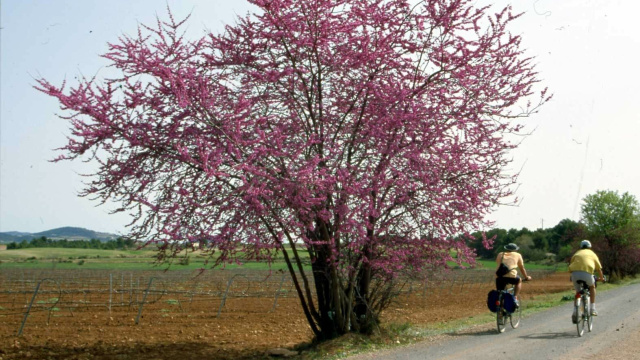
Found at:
(582, 266)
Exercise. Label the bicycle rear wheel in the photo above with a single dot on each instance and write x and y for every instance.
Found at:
(501, 318)
(581, 318)
(515, 317)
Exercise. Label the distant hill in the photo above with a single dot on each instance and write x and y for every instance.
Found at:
(11, 236)
(8, 237)
(69, 233)
(16, 233)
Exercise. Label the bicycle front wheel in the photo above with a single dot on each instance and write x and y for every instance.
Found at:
(581, 318)
(589, 316)
(515, 317)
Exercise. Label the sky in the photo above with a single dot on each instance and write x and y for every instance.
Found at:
(584, 140)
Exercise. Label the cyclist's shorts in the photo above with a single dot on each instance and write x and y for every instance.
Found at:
(584, 276)
(502, 282)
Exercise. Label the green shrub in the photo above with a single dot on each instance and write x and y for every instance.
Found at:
(533, 254)
(564, 253)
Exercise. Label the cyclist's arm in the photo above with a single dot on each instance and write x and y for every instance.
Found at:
(571, 260)
(599, 268)
(522, 270)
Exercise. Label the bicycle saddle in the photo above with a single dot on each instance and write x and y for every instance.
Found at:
(583, 284)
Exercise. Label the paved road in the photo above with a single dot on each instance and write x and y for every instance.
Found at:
(545, 335)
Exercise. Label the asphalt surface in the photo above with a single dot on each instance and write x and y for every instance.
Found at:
(545, 335)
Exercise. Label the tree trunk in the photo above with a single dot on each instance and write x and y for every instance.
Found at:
(343, 306)
(363, 312)
(333, 301)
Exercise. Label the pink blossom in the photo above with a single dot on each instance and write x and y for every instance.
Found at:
(368, 134)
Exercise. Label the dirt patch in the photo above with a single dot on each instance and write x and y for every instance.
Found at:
(246, 327)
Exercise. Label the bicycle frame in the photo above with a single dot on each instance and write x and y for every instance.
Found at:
(502, 314)
(582, 309)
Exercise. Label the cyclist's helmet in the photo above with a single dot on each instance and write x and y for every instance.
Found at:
(585, 244)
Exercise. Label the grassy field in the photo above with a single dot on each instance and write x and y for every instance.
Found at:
(63, 258)
(55, 253)
(491, 264)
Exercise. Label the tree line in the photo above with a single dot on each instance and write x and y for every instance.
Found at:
(553, 244)
(44, 242)
(610, 220)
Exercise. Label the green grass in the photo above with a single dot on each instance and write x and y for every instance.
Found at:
(482, 264)
(123, 260)
(63, 258)
(127, 260)
(55, 253)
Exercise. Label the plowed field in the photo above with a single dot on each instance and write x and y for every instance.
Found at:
(246, 327)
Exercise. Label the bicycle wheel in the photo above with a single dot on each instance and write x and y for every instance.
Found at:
(581, 318)
(501, 318)
(515, 317)
(588, 315)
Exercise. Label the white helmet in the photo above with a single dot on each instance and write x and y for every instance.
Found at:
(585, 244)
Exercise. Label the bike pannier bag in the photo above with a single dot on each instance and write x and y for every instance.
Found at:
(492, 300)
(509, 302)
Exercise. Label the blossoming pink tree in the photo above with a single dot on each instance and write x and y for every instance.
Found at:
(364, 133)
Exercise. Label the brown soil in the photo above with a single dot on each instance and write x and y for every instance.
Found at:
(246, 327)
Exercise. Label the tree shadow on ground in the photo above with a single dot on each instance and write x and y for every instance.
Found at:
(550, 336)
(474, 332)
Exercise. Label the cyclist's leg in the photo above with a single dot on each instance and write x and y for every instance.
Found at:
(587, 278)
(577, 287)
(518, 287)
(592, 298)
(580, 275)
(590, 281)
(592, 291)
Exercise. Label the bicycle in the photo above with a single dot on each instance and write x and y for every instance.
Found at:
(582, 307)
(502, 314)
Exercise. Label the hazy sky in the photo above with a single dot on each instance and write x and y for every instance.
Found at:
(584, 140)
